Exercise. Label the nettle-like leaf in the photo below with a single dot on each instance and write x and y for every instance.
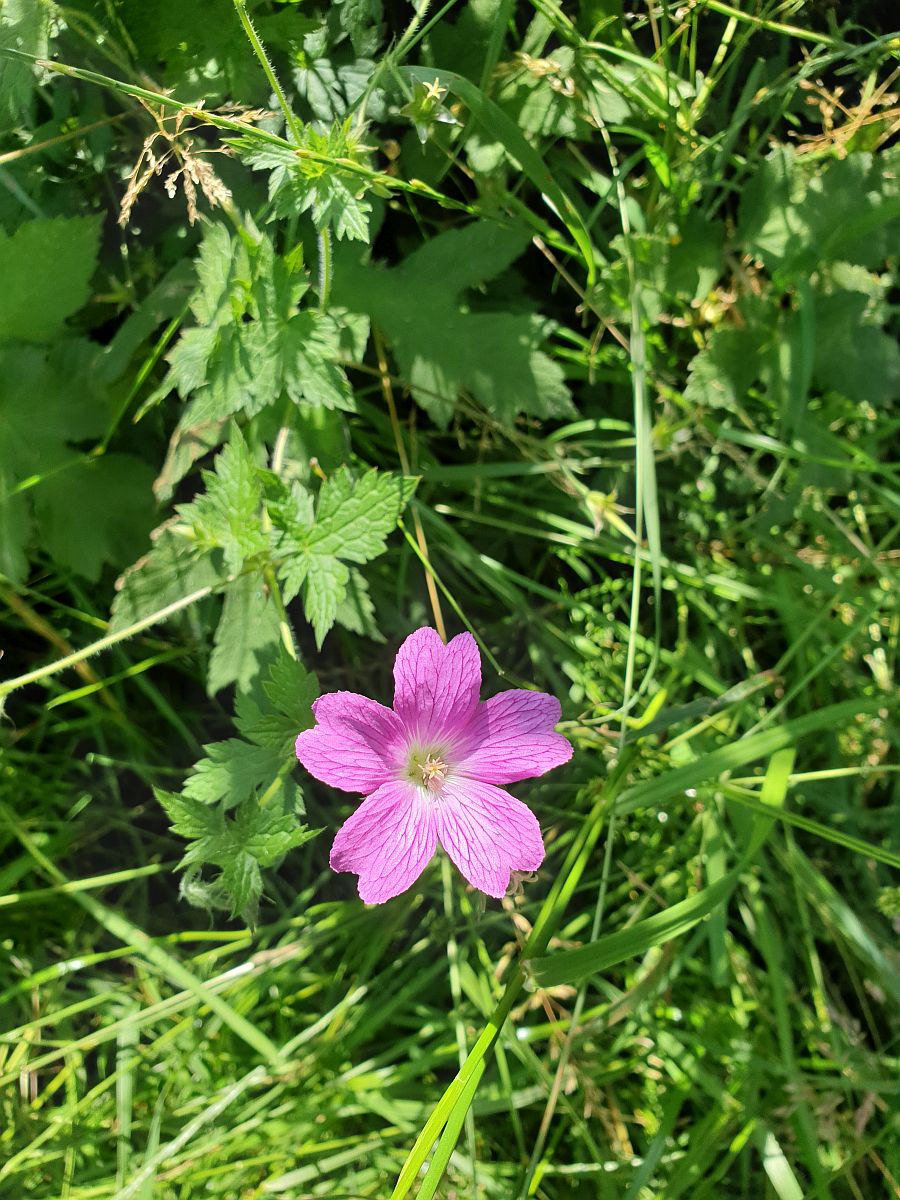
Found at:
(204, 547)
(46, 267)
(52, 407)
(252, 345)
(227, 515)
(333, 195)
(443, 346)
(351, 523)
(174, 568)
(247, 635)
(24, 26)
(232, 777)
(794, 216)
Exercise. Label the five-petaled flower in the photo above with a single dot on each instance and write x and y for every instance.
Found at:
(431, 769)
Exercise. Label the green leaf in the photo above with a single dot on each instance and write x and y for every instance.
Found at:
(442, 345)
(46, 404)
(23, 26)
(503, 128)
(291, 690)
(308, 362)
(174, 568)
(46, 267)
(720, 375)
(247, 634)
(251, 345)
(332, 195)
(324, 588)
(190, 819)
(227, 515)
(352, 522)
(852, 355)
(115, 511)
(230, 770)
(15, 527)
(794, 216)
(355, 516)
(254, 837)
(356, 611)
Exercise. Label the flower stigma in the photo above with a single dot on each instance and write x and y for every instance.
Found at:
(427, 769)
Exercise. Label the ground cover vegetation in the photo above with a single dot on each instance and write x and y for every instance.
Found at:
(570, 325)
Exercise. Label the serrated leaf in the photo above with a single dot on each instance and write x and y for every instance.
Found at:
(46, 267)
(227, 515)
(190, 819)
(242, 880)
(332, 195)
(720, 375)
(251, 344)
(247, 634)
(442, 346)
(115, 511)
(310, 371)
(793, 216)
(23, 26)
(324, 588)
(353, 520)
(292, 689)
(852, 355)
(230, 770)
(355, 516)
(174, 568)
(254, 837)
(356, 611)
(45, 405)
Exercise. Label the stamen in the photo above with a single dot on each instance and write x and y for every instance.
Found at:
(434, 772)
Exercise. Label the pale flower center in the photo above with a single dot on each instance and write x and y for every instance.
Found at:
(427, 769)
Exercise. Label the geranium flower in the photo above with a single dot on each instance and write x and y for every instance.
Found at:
(431, 769)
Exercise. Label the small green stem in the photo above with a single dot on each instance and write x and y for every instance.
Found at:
(104, 643)
(324, 268)
(291, 121)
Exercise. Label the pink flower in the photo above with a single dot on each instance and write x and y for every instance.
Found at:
(430, 769)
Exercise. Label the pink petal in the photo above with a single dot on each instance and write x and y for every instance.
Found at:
(387, 842)
(357, 744)
(487, 834)
(436, 687)
(511, 737)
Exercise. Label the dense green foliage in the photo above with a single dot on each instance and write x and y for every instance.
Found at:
(571, 325)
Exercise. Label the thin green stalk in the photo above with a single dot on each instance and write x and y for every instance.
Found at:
(645, 488)
(456, 996)
(324, 241)
(104, 643)
(461, 1091)
(291, 121)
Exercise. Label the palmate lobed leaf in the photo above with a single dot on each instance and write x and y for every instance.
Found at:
(444, 347)
(353, 518)
(332, 195)
(254, 837)
(46, 267)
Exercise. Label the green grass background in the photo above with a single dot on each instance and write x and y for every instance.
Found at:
(632, 319)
